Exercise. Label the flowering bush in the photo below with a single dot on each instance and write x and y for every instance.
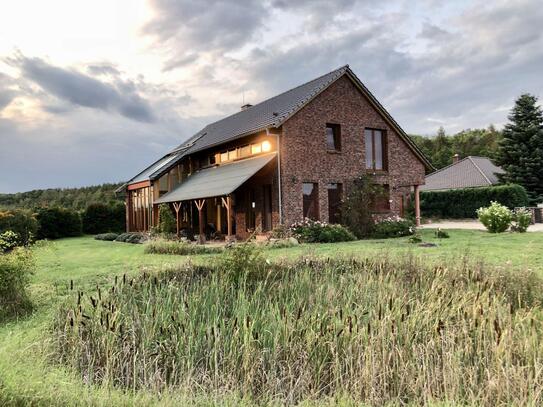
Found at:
(522, 218)
(314, 231)
(8, 241)
(393, 226)
(496, 217)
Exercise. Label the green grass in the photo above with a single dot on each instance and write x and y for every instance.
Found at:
(28, 377)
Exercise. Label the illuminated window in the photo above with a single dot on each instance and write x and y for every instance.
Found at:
(256, 148)
(245, 151)
(266, 146)
(232, 154)
(224, 156)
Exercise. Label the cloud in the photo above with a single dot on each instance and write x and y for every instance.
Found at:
(83, 90)
(7, 94)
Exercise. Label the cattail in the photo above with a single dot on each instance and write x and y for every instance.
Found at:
(71, 285)
(299, 313)
(380, 312)
(247, 321)
(173, 318)
(390, 304)
(341, 313)
(369, 328)
(124, 278)
(99, 293)
(71, 321)
(498, 330)
(93, 302)
(440, 326)
(115, 280)
(339, 333)
(350, 325)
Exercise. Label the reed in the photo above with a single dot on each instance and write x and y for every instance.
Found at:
(380, 331)
(179, 248)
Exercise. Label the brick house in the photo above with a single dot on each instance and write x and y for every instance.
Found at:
(286, 158)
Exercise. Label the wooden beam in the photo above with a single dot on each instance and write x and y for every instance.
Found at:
(177, 206)
(139, 185)
(228, 203)
(200, 205)
(417, 204)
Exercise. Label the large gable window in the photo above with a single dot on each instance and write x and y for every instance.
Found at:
(375, 141)
(333, 137)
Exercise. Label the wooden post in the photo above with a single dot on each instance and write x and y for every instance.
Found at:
(200, 205)
(417, 204)
(177, 206)
(219, 221)
(228, 203)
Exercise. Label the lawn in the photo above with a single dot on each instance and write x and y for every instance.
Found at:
(28, 377)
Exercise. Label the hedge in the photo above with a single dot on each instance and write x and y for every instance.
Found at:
(20, 221)
(463, 203)
(102, 218)
(55, 223)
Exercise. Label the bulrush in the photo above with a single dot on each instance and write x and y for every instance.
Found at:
(381, 331)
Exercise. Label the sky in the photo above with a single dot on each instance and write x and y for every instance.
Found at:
(94, 91)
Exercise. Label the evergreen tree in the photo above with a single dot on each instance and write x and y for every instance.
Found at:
(521, 148)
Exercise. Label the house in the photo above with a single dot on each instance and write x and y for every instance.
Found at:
(286, 158)
(469, 172)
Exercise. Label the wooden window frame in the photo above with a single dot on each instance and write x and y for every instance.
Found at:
(384, 149)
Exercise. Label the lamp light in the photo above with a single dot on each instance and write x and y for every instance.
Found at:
(266, 146)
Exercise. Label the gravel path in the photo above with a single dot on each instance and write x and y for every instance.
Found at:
(470, 224)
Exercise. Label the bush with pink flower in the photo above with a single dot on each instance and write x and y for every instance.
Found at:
(315, 231)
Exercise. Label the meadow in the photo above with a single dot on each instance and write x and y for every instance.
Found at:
(398, 323)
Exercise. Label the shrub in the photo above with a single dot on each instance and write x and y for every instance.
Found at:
(496, 218)
(101, 218)
(16, 269)
(441, 234)
(311, 231)
(166, 221)
(55, 223)
(8, 241)
(22, 222)
(107, 236)
(463, 203)
(131, 237)
(393, 227)
(179, 248)
(416, 238)
(522, 218)
(358, 207)
(280, 232)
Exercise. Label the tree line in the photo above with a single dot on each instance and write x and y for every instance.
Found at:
(71, 198)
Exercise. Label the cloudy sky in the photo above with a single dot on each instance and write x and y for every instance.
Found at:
(92, 91)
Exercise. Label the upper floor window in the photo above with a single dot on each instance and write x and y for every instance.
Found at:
(375, 141)
(333, 137)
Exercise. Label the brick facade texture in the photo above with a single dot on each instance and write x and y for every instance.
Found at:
(304, 155)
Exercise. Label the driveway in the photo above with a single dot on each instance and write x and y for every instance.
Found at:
(470, 224)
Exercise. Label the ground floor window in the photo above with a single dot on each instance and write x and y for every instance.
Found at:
(310, 192)
(335, 192)
(382, 202)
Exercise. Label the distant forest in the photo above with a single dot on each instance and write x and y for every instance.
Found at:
(73, 198)
(440, 148)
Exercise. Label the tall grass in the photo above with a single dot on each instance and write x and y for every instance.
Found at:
(179, 248)
(380, 331)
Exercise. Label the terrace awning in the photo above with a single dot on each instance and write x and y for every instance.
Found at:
(217, 181)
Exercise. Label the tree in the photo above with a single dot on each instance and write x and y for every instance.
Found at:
(166, 221)
(520, 152)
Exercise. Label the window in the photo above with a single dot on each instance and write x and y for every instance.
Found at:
(250, 214)
(382, 201)
(224, 156)
(256, 148)
(310, 192)
(245, 151)
(212, 159)
(335, 191)
(232, 154)
(375, 149)
(333, 137)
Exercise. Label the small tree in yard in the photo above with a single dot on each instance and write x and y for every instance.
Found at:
(356, 210)
(521, 149)
(166, 220)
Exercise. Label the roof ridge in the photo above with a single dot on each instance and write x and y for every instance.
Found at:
(344, 67)
(479, 169)
(448, 166)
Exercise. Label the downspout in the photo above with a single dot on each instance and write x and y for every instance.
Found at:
(278, 175)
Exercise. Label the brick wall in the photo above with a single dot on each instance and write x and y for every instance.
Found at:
(304, 156)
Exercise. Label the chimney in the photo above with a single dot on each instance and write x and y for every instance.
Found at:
(246, 106)
(456, 157)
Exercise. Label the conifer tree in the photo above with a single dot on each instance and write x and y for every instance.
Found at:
(521, 148)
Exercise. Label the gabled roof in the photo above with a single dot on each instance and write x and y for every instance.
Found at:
(469, 172)
(272, 113)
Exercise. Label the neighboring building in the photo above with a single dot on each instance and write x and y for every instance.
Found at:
(469, 172)
(289, 157)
